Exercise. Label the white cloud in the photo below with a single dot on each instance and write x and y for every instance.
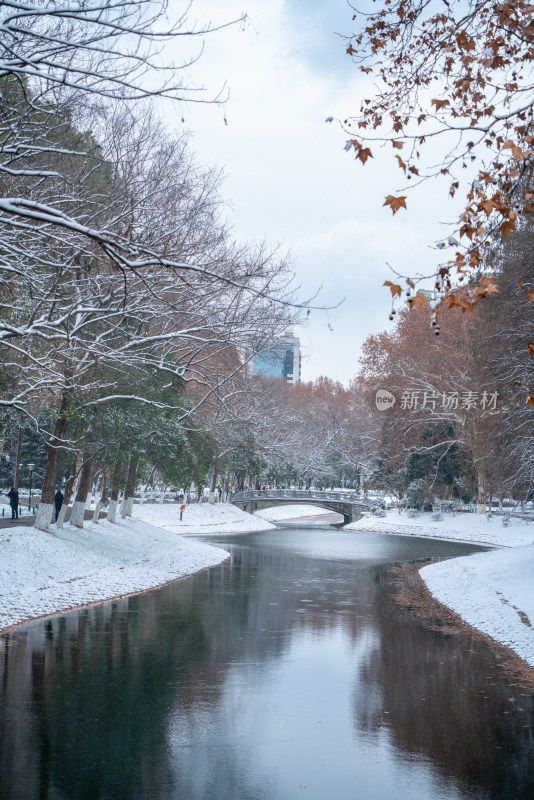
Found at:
(288, 178)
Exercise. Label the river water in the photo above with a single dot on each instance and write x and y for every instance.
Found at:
(287, 672)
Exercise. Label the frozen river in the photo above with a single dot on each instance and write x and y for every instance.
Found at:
(285, 672)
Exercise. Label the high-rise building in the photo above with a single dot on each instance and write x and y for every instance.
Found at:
(281, 360)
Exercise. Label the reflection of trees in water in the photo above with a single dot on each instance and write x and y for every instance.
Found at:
(89, 715)
(104, 703)
(87, 696)
(444, 697)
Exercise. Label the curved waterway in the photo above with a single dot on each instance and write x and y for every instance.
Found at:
(286, 672)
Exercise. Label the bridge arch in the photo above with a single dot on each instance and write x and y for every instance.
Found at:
(344, 503)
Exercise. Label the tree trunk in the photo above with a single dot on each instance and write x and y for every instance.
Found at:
(46, 506)
(482, 497)
(129, 491)
(17, 462)
(147, 484)
(114, 497)
(78, 507)
(213, 482)
(447, 494)
(227, 486)
(103, 496)
(69, 486)
(85, 478)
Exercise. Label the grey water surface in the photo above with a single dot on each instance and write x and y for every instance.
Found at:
(286, 672)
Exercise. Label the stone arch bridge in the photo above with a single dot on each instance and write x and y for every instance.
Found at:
(344, 503)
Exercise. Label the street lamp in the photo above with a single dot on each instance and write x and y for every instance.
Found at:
(30, 467)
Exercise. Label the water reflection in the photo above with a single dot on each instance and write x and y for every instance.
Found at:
(286, 667)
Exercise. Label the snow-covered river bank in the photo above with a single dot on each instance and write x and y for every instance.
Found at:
(47, 573)
(493, 591)
(43, 573)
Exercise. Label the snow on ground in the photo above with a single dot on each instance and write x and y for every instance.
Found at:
(491, 591)
(462, 526)
(43, 573)
(291, 512)
(5, 509)
(200, 518)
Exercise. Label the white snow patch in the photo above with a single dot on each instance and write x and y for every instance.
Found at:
(43, 573)
(200, 518)
(491, 592)
(463, 527)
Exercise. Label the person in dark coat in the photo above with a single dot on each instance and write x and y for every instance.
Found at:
(58, 502)
(14, 502)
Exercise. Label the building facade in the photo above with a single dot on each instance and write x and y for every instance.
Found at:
(281, 360)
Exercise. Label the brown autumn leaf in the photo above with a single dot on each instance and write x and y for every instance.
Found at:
(457, 301)
(397, 144)
(395, 288)
(488, 206)
(516, 150)
(531, 348)
(530, 296)
(488, 285)
(418, 301)
(530, 400)
(364, 153)
(395, 202)
(440, 103)
(507, 227)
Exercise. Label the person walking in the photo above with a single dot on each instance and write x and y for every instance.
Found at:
(58, 502)
(14, 502)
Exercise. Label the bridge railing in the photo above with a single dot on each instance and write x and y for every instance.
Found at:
(297, 494)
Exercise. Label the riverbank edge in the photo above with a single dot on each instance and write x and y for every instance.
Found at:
(97, 603)
(409, 591)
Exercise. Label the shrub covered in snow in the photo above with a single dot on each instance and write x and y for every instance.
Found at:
(378, 511)
(419, 495)
(449, 507)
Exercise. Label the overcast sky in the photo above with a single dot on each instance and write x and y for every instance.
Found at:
(288, 178)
